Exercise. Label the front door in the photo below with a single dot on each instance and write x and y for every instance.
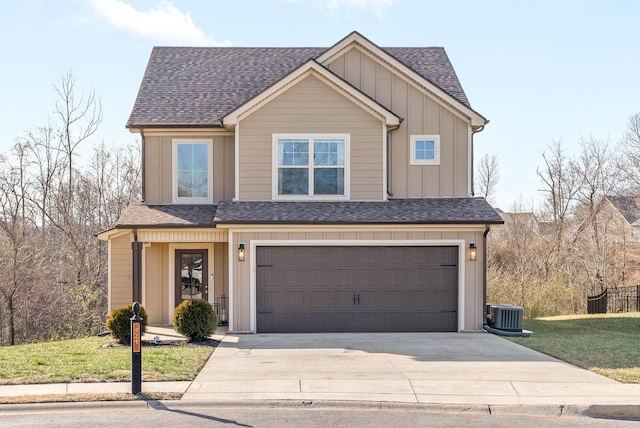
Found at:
(191, 275)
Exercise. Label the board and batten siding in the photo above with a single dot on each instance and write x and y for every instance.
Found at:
(423, 115)
(120, 272)
(474, 311)
(310, 107)
(159, 167)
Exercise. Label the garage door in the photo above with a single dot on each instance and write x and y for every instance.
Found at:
(356, 289)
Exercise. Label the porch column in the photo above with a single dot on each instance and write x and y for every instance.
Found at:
(136, 248)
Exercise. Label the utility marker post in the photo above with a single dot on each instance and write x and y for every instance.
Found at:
(136, 350)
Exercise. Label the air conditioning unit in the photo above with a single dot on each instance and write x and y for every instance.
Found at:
(506, 317)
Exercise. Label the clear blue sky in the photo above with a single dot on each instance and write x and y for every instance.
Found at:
(540, 70)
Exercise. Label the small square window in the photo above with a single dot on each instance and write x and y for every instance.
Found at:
(425, 150)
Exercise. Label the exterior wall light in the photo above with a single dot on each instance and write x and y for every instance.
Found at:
(473, 251)
(241, 252)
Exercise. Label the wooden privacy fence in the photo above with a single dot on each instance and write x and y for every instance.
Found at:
(615, 300)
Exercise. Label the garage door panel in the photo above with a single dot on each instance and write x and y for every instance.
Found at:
(356, 289)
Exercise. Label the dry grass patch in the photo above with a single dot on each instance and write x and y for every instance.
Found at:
(81, 398)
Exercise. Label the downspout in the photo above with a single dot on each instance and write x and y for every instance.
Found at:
(477, 131)
(142, 181)
(389, 131)
(484, 271)
(136, 249)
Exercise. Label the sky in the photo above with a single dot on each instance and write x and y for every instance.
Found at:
(540, 71)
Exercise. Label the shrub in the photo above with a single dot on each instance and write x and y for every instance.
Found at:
(119, 323)
(195, 319)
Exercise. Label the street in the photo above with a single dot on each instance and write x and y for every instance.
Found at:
(166, 414)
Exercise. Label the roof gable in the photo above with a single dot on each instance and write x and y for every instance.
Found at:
(627, 206)
(423, 66)
(312, 68)
(199, 86)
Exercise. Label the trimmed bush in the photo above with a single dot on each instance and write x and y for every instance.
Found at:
(195, 319)
(119, 323)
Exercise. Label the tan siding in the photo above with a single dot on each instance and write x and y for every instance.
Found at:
(121, 272)
(423, 114)
(310, 106)
(473, 298)
(461, 156)
(155, 291)
(153, 176)
(159, 167)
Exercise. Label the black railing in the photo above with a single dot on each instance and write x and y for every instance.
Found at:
(615, 300)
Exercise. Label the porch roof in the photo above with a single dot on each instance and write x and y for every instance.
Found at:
(137, 215)
(394, 211)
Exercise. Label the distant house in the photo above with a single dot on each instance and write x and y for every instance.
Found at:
(526, 221)
(305, 190)
(623, 212)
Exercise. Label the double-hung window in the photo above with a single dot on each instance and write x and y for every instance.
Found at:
(311, 166)
(425, 149)
(192, 171)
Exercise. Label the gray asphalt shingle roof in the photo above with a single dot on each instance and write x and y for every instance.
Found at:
(394, 211)
(198, 86)
(627, 206)
(167, 215)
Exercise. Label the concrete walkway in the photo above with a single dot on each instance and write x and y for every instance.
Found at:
(436, 368)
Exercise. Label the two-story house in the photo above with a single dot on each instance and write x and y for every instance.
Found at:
(305, 190)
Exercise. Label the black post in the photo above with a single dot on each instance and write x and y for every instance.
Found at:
(136, 350)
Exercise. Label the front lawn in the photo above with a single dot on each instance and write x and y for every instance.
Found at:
(98, 359)
(607, 344)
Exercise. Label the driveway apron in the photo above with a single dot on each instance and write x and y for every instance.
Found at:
(446, 368)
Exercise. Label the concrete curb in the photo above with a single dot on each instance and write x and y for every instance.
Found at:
(624, 412)
(532, 410)
(628, 412)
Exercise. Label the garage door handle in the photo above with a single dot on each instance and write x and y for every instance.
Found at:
(358, 298)
(354, 298)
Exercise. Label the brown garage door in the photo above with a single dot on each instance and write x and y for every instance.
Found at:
(357, 289)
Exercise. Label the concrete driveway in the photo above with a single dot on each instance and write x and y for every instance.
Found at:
(443, 368)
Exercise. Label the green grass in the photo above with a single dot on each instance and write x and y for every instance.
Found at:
(96, 359)
(607, 344)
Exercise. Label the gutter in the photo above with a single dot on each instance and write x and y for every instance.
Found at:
(484, 268)
(389, 131)
(142, 184)
(477, 131)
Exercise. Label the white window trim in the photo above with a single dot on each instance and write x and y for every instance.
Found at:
(412, 148)
(174, 173)
(310, 137)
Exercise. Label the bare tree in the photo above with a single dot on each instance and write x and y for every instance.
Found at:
(51, 206)
(630, 147)
(488, 176)
(15, 247)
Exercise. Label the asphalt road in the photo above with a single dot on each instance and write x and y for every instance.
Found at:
(160, 414)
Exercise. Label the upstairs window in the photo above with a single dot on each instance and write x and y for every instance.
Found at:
(192, 171)
(425, 150)
(308, 166)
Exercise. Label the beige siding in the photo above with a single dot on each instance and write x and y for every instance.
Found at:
(120, 272)
(311, 106)
(155, 283)
(159, 167)
(473, 279)
(423, 114)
